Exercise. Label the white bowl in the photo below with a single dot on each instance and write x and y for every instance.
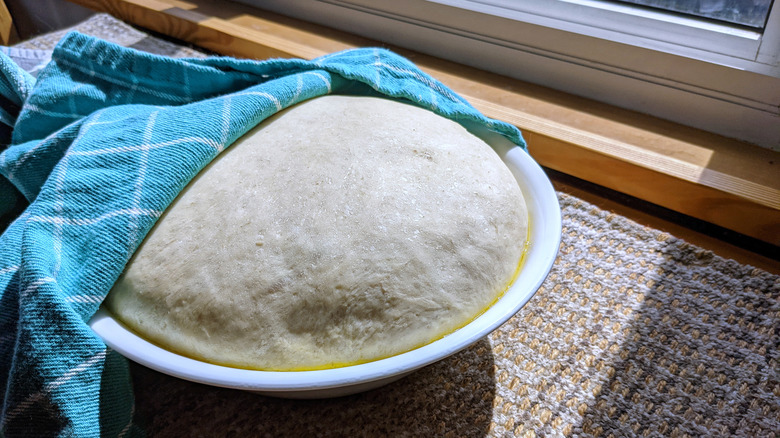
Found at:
(544, 239)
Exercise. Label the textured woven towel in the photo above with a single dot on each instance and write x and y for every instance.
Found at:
(104, 141)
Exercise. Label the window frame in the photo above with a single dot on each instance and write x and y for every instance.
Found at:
(692, 84)
(634, 25)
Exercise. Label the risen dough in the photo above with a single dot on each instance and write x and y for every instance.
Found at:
(342, 230)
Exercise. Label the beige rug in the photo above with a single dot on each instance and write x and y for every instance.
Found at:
(634, 333)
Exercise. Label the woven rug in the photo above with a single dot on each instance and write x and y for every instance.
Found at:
(634, 333)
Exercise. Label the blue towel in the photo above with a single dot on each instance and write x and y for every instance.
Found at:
(93, 151)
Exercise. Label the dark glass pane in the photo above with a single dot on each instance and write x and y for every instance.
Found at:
(751, 13)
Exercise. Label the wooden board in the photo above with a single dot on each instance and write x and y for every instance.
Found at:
(722, 181)
(8, 33)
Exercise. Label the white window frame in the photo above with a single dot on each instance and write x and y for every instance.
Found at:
(720, 78)
(672, 33)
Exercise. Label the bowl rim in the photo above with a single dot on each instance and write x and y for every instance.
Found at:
(543, 244)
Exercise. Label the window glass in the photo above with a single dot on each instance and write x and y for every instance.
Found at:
(750, 13)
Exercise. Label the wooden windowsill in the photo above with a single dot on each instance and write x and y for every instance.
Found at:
(718, 180)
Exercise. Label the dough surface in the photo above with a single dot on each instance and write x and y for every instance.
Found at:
(342, 230)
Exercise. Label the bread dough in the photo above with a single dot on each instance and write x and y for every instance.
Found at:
(341, 230)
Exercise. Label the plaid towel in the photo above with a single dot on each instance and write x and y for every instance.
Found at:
(99, 145)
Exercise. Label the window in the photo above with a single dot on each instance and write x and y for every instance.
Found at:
(706, 72)
(750, 13)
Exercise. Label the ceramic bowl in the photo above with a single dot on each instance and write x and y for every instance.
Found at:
(544, 239)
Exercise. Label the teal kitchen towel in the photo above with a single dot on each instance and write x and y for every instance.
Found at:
(96, 148)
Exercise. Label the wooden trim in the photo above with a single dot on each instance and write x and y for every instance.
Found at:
(8, 34)
(728, 183)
